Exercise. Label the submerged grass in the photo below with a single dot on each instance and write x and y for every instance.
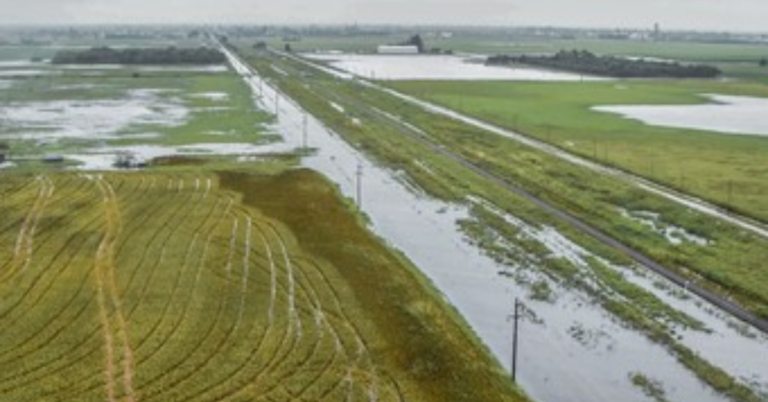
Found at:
(592, 198)
(728, 264)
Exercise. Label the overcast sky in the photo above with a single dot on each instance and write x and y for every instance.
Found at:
(682, 14)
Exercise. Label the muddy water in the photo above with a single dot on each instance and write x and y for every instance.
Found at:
(554, 364)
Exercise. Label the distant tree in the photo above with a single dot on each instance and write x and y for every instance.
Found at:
(4, 148)
(417, 41)
(288, 48)
(584, 62)
(260, 45)
(170, 55)
(763, 62)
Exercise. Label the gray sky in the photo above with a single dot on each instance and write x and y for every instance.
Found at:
(694, 14)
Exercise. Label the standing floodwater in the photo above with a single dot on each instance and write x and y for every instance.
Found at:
(572, 350)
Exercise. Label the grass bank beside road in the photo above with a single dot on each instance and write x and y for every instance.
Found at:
(729, 170)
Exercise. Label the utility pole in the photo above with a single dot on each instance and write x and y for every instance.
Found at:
(277, 104)
(359, 185)
(516, 319)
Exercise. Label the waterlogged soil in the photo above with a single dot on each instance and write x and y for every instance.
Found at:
(736, 115)
(90, 120)
(572, 349)
(103, 158)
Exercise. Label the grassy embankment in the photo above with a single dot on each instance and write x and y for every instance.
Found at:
(730, 170)
(195, 286)
(569, 187)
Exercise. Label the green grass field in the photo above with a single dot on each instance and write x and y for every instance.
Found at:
(729, 170)
(229, 287)
(682, 51)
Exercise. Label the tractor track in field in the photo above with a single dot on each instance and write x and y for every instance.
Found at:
(110, 307)
(274, 322)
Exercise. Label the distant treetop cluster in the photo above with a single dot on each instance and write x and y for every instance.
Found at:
(417, 41)
(170, 55)
(585, 62)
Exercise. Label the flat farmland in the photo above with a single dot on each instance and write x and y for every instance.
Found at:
(727, 169)
(212, 287)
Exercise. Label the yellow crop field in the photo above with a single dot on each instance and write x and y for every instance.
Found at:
(160, 287)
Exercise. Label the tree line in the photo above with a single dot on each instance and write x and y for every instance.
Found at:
(170, 55)
(585, 62)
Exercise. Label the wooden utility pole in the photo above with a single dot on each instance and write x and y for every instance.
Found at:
(277, 104)
(516, 319)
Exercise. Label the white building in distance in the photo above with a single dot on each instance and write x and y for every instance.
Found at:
(391, 49)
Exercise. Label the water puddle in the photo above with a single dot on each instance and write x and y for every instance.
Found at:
(212, 96)
(725, 114)
(675, 235)
(337, 107)
(26, 72)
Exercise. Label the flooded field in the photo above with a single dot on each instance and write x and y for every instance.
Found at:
(573, 349)
(25, 72)
(724, 114)
(91, 119)
(146, 112)
(385, 67)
